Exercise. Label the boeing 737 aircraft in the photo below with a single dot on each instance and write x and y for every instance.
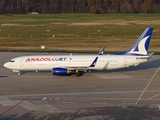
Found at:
(79, 64)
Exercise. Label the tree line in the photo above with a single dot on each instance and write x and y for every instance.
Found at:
(79, 6)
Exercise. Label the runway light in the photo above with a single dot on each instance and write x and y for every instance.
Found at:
(47, 30)
(156, 30)
(42, 47)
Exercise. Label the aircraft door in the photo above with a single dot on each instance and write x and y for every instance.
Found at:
(21, 62)
(125, 61)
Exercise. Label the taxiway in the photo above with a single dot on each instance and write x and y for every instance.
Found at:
(96, 95)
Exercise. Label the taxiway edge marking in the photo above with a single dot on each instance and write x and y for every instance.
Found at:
(14, 106)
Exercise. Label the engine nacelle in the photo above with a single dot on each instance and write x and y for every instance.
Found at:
(60, 71)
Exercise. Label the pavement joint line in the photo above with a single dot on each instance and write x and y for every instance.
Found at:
(155, 104)
(99, 103)
(142, 93)
(70, 102)
(128, 103)
(80, 93)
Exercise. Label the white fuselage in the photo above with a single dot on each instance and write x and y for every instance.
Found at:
(42, 63)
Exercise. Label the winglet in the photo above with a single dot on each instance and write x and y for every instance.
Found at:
(94, 62)
(102, 51)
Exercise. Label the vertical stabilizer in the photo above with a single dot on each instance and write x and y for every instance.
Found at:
(140, 47)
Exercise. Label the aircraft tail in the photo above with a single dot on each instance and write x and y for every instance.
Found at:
(140, 47)
(102, 51)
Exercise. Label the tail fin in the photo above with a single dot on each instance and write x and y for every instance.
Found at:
(140, 47)
(102, 51)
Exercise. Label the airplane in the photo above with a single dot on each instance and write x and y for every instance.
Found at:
(63, 65)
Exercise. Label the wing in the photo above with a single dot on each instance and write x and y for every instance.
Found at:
(80, 67)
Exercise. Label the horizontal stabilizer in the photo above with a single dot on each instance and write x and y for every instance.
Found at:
(145, 57)
(150, 54)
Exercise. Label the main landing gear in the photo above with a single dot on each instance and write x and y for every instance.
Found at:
(79, 73)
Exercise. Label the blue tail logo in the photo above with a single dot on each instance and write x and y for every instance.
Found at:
(94, 62)
(102, 51)
(140, 47)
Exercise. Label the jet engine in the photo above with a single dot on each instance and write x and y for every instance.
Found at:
(59, 71)
(62, 71)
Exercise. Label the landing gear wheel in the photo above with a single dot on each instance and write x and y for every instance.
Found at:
(19, 73)
(79, 73)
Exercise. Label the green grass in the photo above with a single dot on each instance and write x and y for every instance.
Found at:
(76, 32)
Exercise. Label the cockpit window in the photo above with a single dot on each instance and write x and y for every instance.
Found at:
(12, 61)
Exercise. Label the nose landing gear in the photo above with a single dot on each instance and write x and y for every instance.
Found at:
(19, 73)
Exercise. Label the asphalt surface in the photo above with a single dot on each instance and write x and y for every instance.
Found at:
(130, 93)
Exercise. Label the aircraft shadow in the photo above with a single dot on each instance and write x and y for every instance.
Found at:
(3, 76)
(142, 66)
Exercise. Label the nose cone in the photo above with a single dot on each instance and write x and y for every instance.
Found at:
(6, 65)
